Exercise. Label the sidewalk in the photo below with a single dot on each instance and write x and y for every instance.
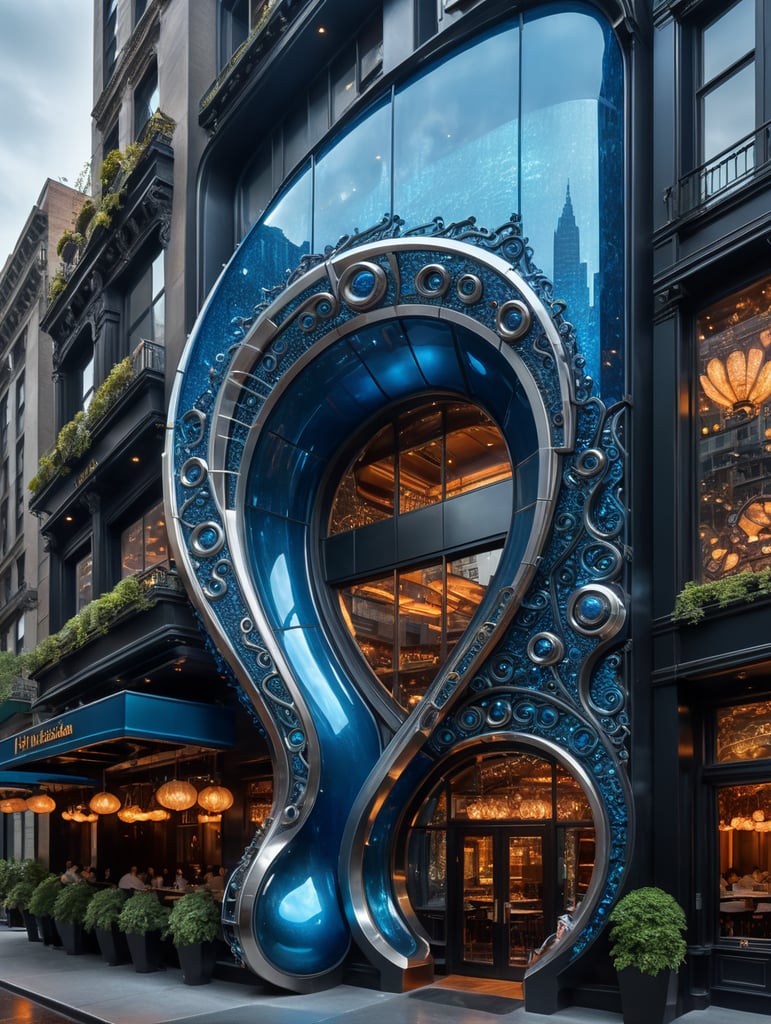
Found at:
(87, 989)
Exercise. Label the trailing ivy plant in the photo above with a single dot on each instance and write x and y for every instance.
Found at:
(694, 598)
(74, 438)
(91, 621)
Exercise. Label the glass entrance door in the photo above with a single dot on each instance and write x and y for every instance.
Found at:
(503, 900)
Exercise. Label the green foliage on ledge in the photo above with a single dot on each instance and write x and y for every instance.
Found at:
(90, 621)
(74, 438)
(11, 667)
(692, 601)
(113, 174)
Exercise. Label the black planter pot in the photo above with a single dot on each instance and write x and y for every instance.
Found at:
(197, 962)
(643, 998)
(30, 923)
(113, 945)
(46, 927)
(13, 918)
(75, 939)
(146, 952)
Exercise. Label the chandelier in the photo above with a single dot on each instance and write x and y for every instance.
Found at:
(739, 385)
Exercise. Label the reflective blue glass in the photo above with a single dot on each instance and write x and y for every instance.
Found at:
(353, 179)
(572, 109)
(455, 135)
(284, 235)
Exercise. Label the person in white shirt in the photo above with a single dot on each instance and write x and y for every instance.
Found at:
(131, 880)
(180, 882)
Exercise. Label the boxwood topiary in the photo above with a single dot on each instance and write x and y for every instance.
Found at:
(143, 913)
(647, 932)
(71, 903)
(104, 909)
(194, 918)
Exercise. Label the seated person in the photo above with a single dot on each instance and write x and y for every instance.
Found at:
(131, 880)
(180, 882)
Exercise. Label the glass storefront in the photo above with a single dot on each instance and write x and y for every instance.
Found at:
(500, 849)
(734, 445)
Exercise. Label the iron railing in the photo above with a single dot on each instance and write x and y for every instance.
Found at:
(724, 173)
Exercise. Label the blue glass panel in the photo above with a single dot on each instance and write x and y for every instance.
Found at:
(349, 395)
(277, 242)
(275, 543)
(571, 168)
(434, 353)
(353, 179)
(278, 479)
(460, 114)
(384, 351)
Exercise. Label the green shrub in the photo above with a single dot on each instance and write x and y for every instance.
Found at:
(71, 903)
(194, 918)
(647, 932)
(143, 913)
(11, 872)
(20, 894)
(44, 896)
(104, 909)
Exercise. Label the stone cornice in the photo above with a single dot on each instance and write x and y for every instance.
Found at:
(22, 277)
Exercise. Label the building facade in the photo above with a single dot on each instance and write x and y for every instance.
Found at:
(26, 431)
(398, 469)
(447, 440)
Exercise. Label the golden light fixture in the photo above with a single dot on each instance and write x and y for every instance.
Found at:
(104, 803)
(129, 813)
(741, 384)
(177, 795)
(158, 815)
(209, 819)
(67, 815)
(41, 803)
(215, 799)
(13, 804)
(755, 519)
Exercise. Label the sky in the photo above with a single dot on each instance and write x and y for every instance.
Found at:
(46, 86)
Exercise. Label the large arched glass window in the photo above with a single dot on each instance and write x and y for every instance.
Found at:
(407, 618)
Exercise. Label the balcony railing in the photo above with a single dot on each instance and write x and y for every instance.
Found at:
(724, 173)
(148, 355)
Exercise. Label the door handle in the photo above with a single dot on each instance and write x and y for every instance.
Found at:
(506, 913)
(495, 911)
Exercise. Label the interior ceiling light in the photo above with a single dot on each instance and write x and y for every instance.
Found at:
(12, 805)
(177, 795)
(741, 384)
(41, 803)
(215, 799)
(104, 803)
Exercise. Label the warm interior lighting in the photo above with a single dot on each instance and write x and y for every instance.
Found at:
(209, 819)
(215, 799)
(13, 804)
(104, 803)
(130, 813)
(177, 795)
(741, 384)
(41, 803)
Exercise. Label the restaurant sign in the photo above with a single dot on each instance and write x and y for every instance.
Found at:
(23, 742)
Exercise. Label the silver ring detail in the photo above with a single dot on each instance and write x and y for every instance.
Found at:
(591, 462)
(552, 649)
(603, 613)
(189, 467)
(432, 291)
(474, 289)
(204, 550)
(517, 311)
(355, 298)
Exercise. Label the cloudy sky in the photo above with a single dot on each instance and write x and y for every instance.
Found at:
(46, 71)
